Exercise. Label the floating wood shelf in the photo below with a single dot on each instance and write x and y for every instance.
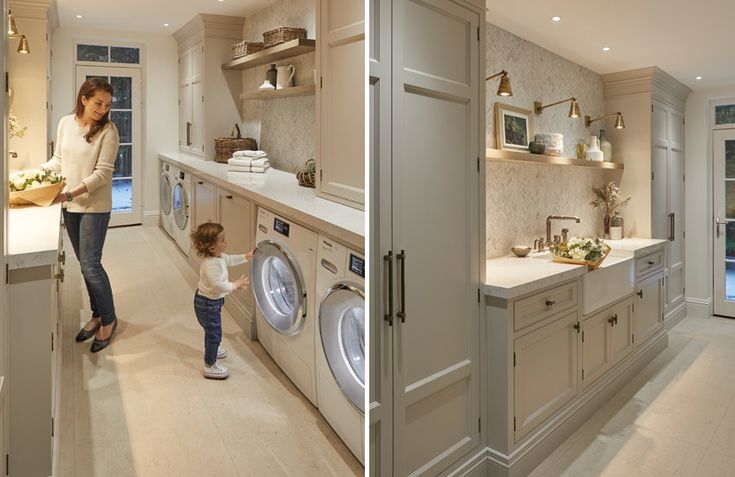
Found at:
(518, 156)
(280, 93)
(270, 55)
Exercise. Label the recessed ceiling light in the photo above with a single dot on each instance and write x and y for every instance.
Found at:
(79, 16)
(698, 78)
(165, 24)
(556, 19)
(605, 48)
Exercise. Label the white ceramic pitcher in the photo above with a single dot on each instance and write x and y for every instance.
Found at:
(284, 77)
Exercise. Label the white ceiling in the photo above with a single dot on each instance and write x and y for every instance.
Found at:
(685, 38)
(147, 15)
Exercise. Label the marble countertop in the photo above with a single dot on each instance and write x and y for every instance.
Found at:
(510, 276)
(280, 192)
(33, 236)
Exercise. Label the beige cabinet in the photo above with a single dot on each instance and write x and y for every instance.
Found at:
(208, 95)
(340, 99)
(607, 338)
(649, 315)
(622, 330)
(236, 215)
(205, 202)
(545, 377)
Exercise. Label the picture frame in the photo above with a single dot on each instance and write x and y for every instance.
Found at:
(513, 127)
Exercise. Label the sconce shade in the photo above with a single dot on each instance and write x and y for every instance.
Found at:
(619, 123)
(12, 28)
(23, 46)
(574, 109)
(504, 88)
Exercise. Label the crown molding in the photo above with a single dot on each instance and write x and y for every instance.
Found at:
(651, 80)
(35, 10)
(209, 26)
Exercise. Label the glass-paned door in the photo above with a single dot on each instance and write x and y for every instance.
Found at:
(125, 113)
(724, 208)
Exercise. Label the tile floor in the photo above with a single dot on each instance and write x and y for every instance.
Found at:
(142, 408)
(676, 418)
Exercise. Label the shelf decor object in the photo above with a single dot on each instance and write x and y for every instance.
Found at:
(498, 155)
(504, 88)
(513, 127)
(539, 107)
(280, 93)
(271, 55)
(619, 122)
(283, 34)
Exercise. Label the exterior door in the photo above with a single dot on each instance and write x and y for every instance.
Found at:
(435, 225)
(724, 208)
(126, 114)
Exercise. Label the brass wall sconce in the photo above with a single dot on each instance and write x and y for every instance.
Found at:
(504, 88)
(23, 46)
(538, 107)
(619, 123)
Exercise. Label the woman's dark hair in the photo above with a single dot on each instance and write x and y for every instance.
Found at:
(205, 236)
(87, 91)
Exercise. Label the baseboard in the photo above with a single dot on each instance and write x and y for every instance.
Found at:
(476, 466)
(676, 315)
(523, 460)
(701, 308)
(151, 218)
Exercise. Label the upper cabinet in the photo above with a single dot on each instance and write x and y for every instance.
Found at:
(340, 98)
(208, 95)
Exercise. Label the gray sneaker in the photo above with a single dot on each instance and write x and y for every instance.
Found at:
(216, 371)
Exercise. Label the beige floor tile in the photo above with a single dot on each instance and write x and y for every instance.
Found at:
(716, 465)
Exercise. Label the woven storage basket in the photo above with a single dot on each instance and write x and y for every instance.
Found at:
(244, 48)
(282, 35)
(225, 146)
(307, 175)
(41, 196)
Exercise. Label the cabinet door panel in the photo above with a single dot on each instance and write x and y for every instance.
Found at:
(675, 262)
(621, 334)
(545, 372)
(197, 113)
(235, 215)
(184, 115)
(595, 346)
(659, 194)
(205, 202)
(648, 308)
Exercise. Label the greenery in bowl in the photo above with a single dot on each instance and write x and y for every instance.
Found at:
(580, 248)
(32, 179)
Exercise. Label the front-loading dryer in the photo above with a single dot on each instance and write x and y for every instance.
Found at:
(282, 278)
(165, 196)
(181, 197)
(340, 356)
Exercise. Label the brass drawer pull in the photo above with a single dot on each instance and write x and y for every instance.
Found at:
(550, 302)
(651, 262)
(640, 293)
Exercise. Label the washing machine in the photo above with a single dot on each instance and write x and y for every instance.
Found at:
(340, 353)
(181, 196)
(282, 279)
(165, 191)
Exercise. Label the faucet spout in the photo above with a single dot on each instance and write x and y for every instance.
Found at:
(557, 217)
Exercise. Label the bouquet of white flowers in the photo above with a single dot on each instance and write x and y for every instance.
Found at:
(34, 187)
(582, 251)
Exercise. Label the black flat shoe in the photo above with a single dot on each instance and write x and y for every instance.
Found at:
(84, 335)
(99, 345)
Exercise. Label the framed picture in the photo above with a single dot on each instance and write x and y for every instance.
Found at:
(513, 127)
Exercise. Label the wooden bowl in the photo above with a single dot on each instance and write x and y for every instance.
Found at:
(520, 250)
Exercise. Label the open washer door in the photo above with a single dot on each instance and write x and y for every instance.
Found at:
(342, 328)
(278, 286)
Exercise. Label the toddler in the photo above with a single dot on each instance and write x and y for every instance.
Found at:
(209, 242)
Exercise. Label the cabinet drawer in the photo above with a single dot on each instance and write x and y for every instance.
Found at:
(649, 263)
(535, 308)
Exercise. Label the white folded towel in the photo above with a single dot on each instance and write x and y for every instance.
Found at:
(259, 169)
(251, 154)
(239, 161)
(262, 162)
(238, 168)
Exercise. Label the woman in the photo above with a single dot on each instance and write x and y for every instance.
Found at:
(86, 148)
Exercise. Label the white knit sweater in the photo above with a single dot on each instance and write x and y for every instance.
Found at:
(91, 163)
(214, 281)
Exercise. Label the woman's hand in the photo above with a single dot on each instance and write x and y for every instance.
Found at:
(59, 198)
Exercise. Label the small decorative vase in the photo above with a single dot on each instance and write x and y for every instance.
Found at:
(616, 227)
(607, 226)
(581, 149)
(594, 153)
(536, 147)
(271, 75)
(605, 146)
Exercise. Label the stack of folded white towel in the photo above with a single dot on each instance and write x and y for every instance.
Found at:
(248, 161)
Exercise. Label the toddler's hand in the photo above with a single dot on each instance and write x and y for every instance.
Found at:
(249, 255)
(242, 282)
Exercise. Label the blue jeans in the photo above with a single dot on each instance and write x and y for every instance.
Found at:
(209, 315)
(87, 232)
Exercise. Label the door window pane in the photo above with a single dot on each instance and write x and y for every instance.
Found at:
(89, 77)
(122, 86)
(124, 161)
(93, 53)
(725, 114)
(123, 121)
(730, 159)
(730, 199)
(729, 240)
(119, 54)
(122, 195)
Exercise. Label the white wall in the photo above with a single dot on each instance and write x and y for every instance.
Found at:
(699, 228)
(160, 95)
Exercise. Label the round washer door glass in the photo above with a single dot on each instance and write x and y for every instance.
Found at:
(278, 286)
(342, 328)
(165, 194)
(181, 207)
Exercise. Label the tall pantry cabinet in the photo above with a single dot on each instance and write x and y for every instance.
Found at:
(208, 95)
(652, 149)
(427, 225)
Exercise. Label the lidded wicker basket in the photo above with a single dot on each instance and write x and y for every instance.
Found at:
(282, 35)
(225, 146)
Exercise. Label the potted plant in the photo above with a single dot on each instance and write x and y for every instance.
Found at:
(610, 197)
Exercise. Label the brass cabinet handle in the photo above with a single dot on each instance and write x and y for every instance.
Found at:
(640, 293)
(228, 197)
(401, 257)
(188, 133)
(550, 302)
(719, 222)
(672, 234)
(611, 320)
(59, 276)
(651, 262)
(62, 258)
(200, 182)
(388, 269)
(577, 326)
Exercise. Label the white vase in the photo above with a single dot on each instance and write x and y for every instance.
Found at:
(594, 153)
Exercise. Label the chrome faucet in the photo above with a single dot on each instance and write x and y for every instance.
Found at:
(557, 217)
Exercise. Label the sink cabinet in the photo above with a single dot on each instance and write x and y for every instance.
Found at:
(607, 338)
(649, 308)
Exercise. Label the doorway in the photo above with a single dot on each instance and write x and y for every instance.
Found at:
(126, 115)
(723, 148)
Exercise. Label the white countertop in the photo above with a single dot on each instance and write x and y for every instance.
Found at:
(510, 276)
(33, 236)
(280, 192)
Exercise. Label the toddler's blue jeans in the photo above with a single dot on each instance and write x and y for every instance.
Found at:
(209, 315)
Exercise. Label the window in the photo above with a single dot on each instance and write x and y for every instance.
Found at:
(126, 55)
(724, 114)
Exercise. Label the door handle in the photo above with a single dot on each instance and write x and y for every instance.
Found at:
(719, 222)
(388, 269)
(188, 133)
(401, 257)
(672, 223)
(640, 293)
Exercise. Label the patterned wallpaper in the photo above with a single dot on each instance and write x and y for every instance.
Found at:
(284, 127)
(521, 196)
